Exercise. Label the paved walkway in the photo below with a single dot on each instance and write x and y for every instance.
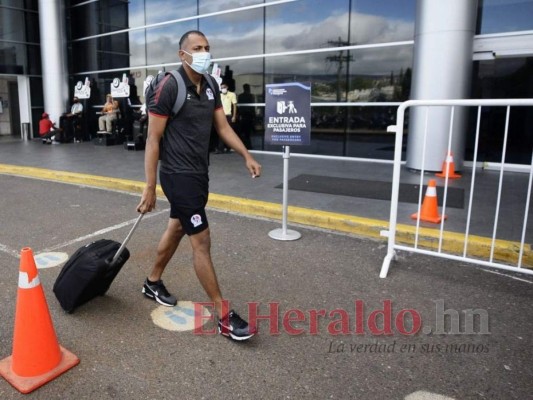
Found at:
(233, 190)
(329, 335)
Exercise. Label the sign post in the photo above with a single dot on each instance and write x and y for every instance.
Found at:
(287, 122)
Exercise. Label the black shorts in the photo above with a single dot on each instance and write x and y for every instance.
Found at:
(187, 195)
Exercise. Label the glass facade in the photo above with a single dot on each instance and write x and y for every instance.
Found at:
(351, 51)
(20, 54)
(504, 79)
(254, 42)
(501, 16)
(19, 38)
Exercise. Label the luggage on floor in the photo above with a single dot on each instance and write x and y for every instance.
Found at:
(91, 270)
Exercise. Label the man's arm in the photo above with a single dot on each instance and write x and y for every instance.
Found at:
(156, 128)
(228, 135)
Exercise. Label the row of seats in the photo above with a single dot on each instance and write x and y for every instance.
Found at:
(124, 131)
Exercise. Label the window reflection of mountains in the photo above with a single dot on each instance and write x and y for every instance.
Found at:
(361, 88)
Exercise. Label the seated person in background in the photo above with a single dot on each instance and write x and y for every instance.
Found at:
(110, 110)
(48, 130)
(70, 121)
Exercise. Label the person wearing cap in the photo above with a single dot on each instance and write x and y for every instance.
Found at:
(109, 114)
(47, 129)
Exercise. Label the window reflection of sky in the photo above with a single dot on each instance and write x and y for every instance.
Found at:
(506, 16)
(300, 25)
(166, 10)
(293, 26)
(305, 24)
(209, 6)
(403, 10)
(136, 13)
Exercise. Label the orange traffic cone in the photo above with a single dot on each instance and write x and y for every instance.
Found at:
(37, 356)
(448, 167)
(429, 211)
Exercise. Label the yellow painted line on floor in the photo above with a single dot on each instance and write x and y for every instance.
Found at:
(453, 243)
(74, 178)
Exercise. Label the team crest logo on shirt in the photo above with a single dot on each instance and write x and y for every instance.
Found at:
(196, 220)
(210, 94)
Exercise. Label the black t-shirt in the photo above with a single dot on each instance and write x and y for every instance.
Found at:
(185, 143)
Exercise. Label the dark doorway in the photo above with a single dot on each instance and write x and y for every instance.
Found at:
(14, 110)
(505, 78)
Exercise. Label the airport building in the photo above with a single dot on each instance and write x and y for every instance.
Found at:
(362, 58)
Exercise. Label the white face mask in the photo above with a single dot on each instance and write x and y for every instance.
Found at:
(200, 61)
(224, 90)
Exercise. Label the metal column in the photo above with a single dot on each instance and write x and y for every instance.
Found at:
(53, 55)
(442, 70)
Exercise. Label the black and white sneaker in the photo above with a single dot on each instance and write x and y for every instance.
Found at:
(159, 293)
(234, 327)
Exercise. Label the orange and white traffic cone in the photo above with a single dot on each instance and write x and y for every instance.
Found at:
(448, 167)
(429, 212)
(37, 357)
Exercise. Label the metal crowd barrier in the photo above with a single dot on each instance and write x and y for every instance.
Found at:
(435, 247)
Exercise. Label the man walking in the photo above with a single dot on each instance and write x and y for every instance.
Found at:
(184, 174)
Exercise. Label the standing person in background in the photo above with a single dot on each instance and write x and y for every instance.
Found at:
(246, 116)
(110, 110)
(229, 104)
(182, 144)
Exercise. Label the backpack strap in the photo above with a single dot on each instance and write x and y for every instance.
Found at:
(210, 82)
(182, 93)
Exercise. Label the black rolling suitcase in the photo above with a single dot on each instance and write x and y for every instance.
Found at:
(91, 270)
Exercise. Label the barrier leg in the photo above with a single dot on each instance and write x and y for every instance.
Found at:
(386, 264)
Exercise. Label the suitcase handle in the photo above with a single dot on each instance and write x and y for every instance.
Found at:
(123, 245)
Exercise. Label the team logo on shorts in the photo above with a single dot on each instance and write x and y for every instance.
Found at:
(196, 220)
(210, 94)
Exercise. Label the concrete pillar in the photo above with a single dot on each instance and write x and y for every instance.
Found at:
(23, 84)
(54, 57)
(442, 69)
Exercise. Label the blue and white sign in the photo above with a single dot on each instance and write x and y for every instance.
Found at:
(288, 114)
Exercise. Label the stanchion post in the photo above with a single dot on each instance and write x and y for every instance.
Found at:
(284, 233)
